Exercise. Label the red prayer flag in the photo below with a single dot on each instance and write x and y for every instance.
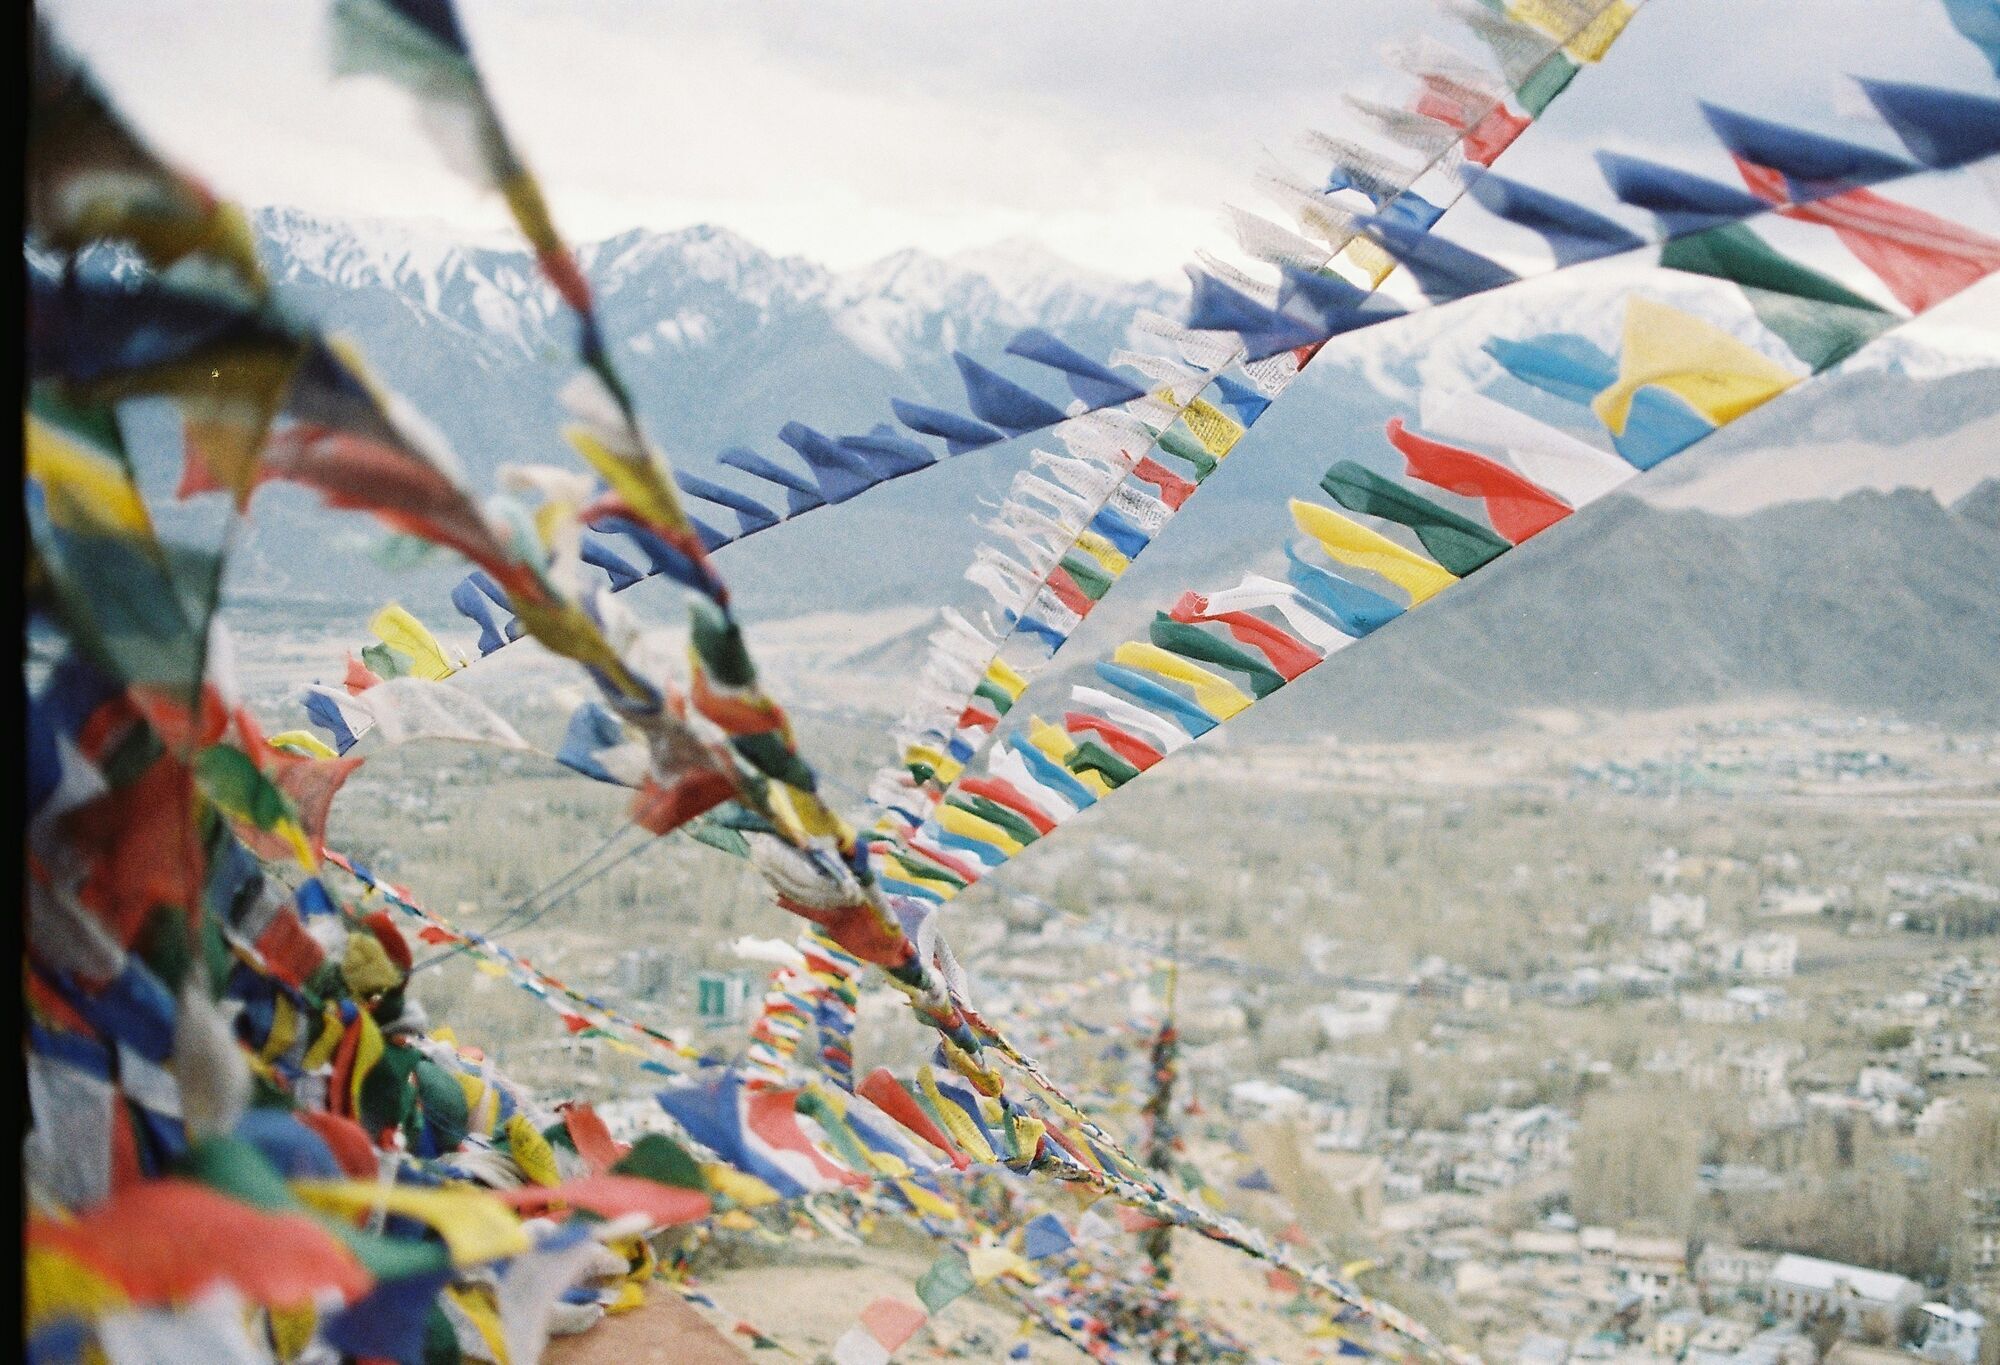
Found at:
(662, 810)
(593, 1141)
(1288, 654)
(613, 1196)
(1068, 593)
(291, 953)
(360, 677)
(1132, 1220)
(1004, 793)
(1922, 259)
(167, 1240)
(974, 718)
(1517, 507)
(958, 868)
(892, 1322)
(1174, 490)
(881, 1089)
(348, 1141)
(1125, 744)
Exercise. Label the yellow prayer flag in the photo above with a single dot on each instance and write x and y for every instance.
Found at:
(633, 473)
(941, 764)
(988, 1263)
(965, 823)
(482, 1104)
(303, 742)
(1558, 20)
(1002, 675)
(1718, 376)
(1104, 552)
(1217, 431)
(57, 1285)
(475, 1304)
(1212, 692)
(924, 1201)
(744, 1188)
(367, 1052)
(292, 1330)
(1056, 746)
(1352, 543)
(475, 1226)
(284, 1029)
(404, 633)
(321, 1051)
(955, 1120)
(86, 490)
(532, 1152)
(1371, 260)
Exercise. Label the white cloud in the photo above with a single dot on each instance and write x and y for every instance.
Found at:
(1112, 131)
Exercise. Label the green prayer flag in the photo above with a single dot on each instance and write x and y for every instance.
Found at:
(239, 1170)
(230, 778)
(1544, 83)
(440, 1339)
(935, 871)
(1090, 577)
(948, 1277)
(1459, 544)
(1184, 447)
(994, 813)
(706, 831)
(1733, 252)
(769, 754)
(1092, 757)
(1818, 317)
(1820, 334)
(442, 1100)
(385, 662)
(718, 642)
(995, 693)
(659, 1158)
(1192, 642)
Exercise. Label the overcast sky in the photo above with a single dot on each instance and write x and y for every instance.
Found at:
(1111, 131)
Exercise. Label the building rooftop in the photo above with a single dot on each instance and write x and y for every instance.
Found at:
(1810, 1272)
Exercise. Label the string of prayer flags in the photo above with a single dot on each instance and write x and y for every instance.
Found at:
(1044, 597)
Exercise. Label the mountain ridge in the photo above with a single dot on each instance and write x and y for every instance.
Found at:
(724, 342)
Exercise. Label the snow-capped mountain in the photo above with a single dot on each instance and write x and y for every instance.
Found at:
(693, 290)
(722, 342)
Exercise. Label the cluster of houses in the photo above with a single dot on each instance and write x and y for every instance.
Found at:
(1558, 1294)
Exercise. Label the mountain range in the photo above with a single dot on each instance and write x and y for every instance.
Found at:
(1883, 600)
(721, 342)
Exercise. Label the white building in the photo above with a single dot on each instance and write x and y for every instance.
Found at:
(1722, 1267)
(1769, 957)
(1759, 1071)
(1937, 1116)
(1872, 1300)
(1358, 1014)
(1654, 1268)
(1264, 1101)
(1674, 912)
(1786, 902)
(1885, 1083)
(1737, 1005)
(1950, 1335)
(1531, 1140)
(1539, 1348)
